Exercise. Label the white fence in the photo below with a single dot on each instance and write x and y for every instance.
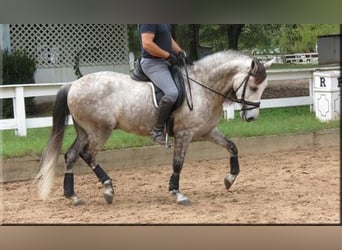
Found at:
(21, 123)
(18, 93)
(301, 58)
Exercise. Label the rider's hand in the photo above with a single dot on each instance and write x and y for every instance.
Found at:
(181, 55)
(172, 59)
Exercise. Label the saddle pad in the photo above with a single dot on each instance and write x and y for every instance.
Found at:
(154, 97)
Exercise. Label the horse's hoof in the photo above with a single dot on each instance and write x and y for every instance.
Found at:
(108, 195)
(182, 199)
(229, 180)
(109, 191)
(227, 184)
(185, 202)
(76, 201)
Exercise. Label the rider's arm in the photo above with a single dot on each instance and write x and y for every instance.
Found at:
(151, 47)
(175, 47)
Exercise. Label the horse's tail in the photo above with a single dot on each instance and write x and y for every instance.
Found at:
(49, 160)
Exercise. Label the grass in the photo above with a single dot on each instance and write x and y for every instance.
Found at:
(271, 122)
(276, 121)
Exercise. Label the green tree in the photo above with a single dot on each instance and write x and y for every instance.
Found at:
(133, 39)
(233, 33)
(214, 36)
(265, 38)
(303, 37)
(260, 37)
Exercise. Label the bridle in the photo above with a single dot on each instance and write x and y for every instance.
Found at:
(242, 101)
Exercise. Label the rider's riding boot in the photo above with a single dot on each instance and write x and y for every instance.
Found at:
(157, 134)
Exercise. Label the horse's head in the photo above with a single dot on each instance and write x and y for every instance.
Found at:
(248, 87)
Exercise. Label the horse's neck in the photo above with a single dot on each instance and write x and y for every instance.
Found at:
(215, 75)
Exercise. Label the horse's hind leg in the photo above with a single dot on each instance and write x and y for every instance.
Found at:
(181, 144)
(88, 153)
(217, 137)
(71, 157)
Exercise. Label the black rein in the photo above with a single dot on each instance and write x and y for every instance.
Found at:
(242, 100)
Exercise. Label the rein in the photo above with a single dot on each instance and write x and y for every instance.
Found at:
(242, 100)
(190, 105)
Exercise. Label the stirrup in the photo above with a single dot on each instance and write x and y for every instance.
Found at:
(159, 137)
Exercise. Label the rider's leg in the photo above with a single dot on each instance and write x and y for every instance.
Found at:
(158, 71)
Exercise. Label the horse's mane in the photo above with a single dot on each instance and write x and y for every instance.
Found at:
(235, 57)
(223, 56)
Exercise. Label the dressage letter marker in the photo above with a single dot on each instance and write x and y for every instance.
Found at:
(326, 93)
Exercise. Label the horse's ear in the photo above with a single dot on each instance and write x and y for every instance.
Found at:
(254, 66)
(269, 63)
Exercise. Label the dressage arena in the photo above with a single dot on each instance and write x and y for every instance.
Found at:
(298, 185)
(283, 180)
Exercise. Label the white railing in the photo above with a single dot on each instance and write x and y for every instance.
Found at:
(18, 93)
(21, 123)
(301, 58)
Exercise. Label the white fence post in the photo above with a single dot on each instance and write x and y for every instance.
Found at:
(327, 96)
(228, 111)
(311, 82)
(19, 111)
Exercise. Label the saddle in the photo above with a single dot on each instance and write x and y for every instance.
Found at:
(139, 75)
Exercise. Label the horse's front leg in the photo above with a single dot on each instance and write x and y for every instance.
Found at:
(182, 141)
(218, 138)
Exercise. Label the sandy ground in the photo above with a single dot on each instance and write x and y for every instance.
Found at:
(301, 186)
(286, 88)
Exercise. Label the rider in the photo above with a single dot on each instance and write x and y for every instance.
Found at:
(159, 50)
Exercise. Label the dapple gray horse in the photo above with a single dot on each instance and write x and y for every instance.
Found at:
(104, 101)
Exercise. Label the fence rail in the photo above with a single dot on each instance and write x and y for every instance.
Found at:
(21, 123)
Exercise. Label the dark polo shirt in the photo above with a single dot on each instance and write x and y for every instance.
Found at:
(162, 37)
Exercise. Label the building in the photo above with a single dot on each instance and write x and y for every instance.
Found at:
(60, 48)
(329, 49)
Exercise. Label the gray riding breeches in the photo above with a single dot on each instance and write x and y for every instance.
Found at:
(158, 71)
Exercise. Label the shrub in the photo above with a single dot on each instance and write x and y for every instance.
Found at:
(18, 67)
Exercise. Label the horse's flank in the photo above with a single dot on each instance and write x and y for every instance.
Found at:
(114, 99)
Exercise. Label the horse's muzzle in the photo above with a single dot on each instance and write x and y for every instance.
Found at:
(249, 115)
(250, 119)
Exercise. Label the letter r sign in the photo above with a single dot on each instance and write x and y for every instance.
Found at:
(322, 82)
